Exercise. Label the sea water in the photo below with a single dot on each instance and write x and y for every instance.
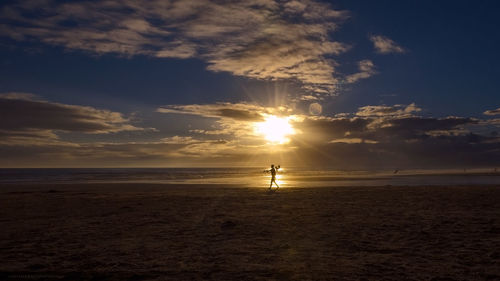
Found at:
(251, 176)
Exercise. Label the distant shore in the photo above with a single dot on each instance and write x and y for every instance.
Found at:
(219, 232)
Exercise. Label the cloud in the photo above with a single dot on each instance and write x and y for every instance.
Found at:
(231, 119)
(380, 129)
(28, 120)
(492, 112)
(495, 121)
(236, 111)
(261, 39)
(324, 129)
(352, 140)
(172, 151)
(389, 137)
(23, 113)
(430, 153)
(308, 98)
(18, 96)
(370, 124)
(416, 127)
(384, 45)
(375, 137)
(384, 124)
(383, 110)
(178, 140)
(366, 70)
(31, 137)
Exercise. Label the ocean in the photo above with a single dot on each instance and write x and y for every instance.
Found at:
(250, 176)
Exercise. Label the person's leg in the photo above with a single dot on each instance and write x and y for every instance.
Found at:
(276, 183)
(271, 184)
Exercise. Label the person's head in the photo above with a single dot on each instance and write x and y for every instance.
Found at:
(272, 165)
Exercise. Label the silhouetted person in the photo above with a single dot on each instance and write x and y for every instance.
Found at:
(273, 171)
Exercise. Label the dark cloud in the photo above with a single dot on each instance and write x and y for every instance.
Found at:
(379, 129)
(30, 122)
(387, 124)
(407, 128)
(389, 137)
(431, 153)
(240, 114)
(326, 129)
(236, 111)
(28, 114)
(492, 112)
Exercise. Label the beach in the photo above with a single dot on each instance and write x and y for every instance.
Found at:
(120, 231)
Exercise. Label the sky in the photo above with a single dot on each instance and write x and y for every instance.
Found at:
(322, 84)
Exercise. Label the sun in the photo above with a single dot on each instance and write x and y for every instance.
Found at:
(275, 129)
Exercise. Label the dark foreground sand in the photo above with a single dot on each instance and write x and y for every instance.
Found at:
(157, 232)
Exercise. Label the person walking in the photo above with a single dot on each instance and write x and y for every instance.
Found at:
(273, 171)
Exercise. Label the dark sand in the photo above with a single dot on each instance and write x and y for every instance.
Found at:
(157, 232)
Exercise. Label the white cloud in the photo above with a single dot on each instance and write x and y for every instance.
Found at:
(366, 70)
(261, 39)
(384, 110)
(385, 45)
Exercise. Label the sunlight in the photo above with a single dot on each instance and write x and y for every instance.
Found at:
(275, 129)
(280, 180)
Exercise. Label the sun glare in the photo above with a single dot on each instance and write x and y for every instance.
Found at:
(275, 129)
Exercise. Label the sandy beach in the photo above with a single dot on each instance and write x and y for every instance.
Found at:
(198, 232)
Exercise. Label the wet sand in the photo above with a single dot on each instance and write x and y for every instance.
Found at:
(168, 232)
